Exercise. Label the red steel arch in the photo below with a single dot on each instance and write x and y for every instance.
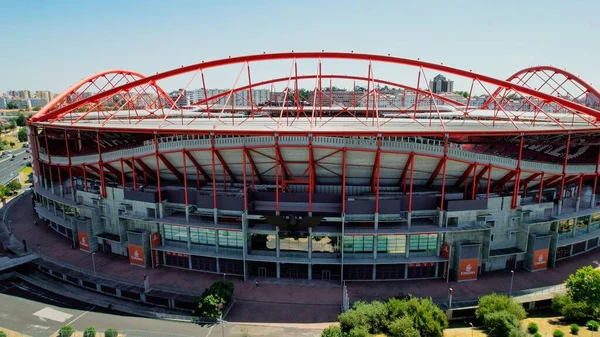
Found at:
(118, 75)
(524, 76)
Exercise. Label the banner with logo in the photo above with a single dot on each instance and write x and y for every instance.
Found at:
(467, 269)
(540, 259)
(445, 254)
(155, 242)
(84, 241)
(136, 255)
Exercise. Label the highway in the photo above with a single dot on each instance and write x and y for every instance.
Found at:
(35, 312)
(9, 169)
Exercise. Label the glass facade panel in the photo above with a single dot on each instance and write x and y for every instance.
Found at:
(423, 243)
(566, 226)
(391, 244)
(358, 244)
(202, 236)
(290, 243)
(175, 233)
(325, 244)
(596, 217)
(231, 239)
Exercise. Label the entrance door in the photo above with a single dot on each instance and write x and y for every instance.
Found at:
(107, 247)
(326, 274)
(262, 272)
(293, 273)
(510, 263)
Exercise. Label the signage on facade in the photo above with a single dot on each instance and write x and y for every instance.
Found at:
(422, 264)
(467, 269)
(445, 254)
(136, 255)
(84, 241)
(540, 259)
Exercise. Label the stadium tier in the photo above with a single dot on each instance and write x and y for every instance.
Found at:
(336, 184)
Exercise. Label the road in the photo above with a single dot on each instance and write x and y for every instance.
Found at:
(36, 312)
(9, 169)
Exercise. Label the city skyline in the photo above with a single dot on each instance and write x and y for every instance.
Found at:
(66, 62)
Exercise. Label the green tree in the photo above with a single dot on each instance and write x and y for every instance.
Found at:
(65, 331)
(12, 125)
(13, 186)
(332, 331)
(11, 106)
(359, 331)
(111, 333)
(494, 303)
(2, 334)
(22, 135)
(372, 315)
(500, 323)
(584, 286)
(21, 120)
(12, 144)
(90, 332)
(304, 94)
(403, 327)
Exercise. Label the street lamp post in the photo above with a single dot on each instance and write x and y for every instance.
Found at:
(450, 297)
(221, 320)
(94, 263)
(512, 277)
(472, 329)
(39, 249)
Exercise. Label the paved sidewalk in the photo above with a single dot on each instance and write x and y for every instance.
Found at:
(273, 301)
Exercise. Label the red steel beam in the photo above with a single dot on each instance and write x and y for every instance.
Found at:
(198, 166)
(411, 157)
(545, 183)
(500, 183)
(465, 174)
(253, 165)
(171, 168)
(224, 164)
(115, 172)
(374, 170)
(146, 169)
(435, 173)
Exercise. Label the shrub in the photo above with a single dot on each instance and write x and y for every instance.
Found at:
(403, 327)
(218, 293)
(65, 331)
(359, 331)
(2, 334)
(426, 317)
(500, 323)
(517, 332)
(332, 331)
(532, 328)
(575, 329)
(90, 332)
(111, 333)
(558, 333)
(592, 325)
(584, 285)
(494, 303)
(537, 334)
(372, 315)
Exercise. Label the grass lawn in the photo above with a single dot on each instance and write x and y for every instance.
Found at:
(24, 174)
(12, 137)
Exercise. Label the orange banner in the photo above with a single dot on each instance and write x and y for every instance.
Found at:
(84, 241)
(136, 255)
(467, 269)
(540, 259)
(154, 242)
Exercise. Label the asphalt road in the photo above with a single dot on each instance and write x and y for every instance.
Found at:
(33, 311)
(9, 169)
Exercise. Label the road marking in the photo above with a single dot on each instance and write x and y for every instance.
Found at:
(53, 314)
(78, 317)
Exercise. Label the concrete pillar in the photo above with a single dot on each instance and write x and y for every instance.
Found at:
(190, 261)
(559, 210)
(577, 203)
(143, 298)
(61, 191)
(216, 240)
(441, 219)
(218, 267)
(215, 215)
(189, 238)
(171, 304)
(409, 218)
(405, 271)
(118, 293)
(310, 236)
(376, 222)
(245, 243)
(277, 243)
(309, 272)
(160, 210)
(592, 200)
(375, 240)
(407, 246)
(374, 272)
(187, 213)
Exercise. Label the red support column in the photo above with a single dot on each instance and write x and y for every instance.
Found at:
(133, 173)
(244, 178)
(122, 174)
(410, 188)
(344, 181)
(474, 188)
(444, 172)
(517, 187)
(157, 167)
(214, 174)
(580, 186)
(593, 198)
(489, 183)
(185, 185)
(100, 166)
(59, 175)
(197, 179)
(49, 157)
(276, 177)
(70, 166)
(564, 171)
(541, 188)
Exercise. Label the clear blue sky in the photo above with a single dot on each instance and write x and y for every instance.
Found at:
(52, 44)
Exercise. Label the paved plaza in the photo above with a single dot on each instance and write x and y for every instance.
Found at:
(275, 301)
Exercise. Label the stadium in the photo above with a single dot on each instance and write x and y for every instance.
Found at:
(285, 175)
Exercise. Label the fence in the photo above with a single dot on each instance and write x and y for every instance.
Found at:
(100, 333)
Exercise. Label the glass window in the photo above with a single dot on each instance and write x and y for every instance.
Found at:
(293, 243)
(358, 243)
(202, 236)
(325, 244)
(391, 244)
(175, 233)
(583, 221)
(423, 243)
(596, 217)
(566, 226)
(231, 239)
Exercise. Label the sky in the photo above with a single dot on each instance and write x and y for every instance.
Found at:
(51, 45)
